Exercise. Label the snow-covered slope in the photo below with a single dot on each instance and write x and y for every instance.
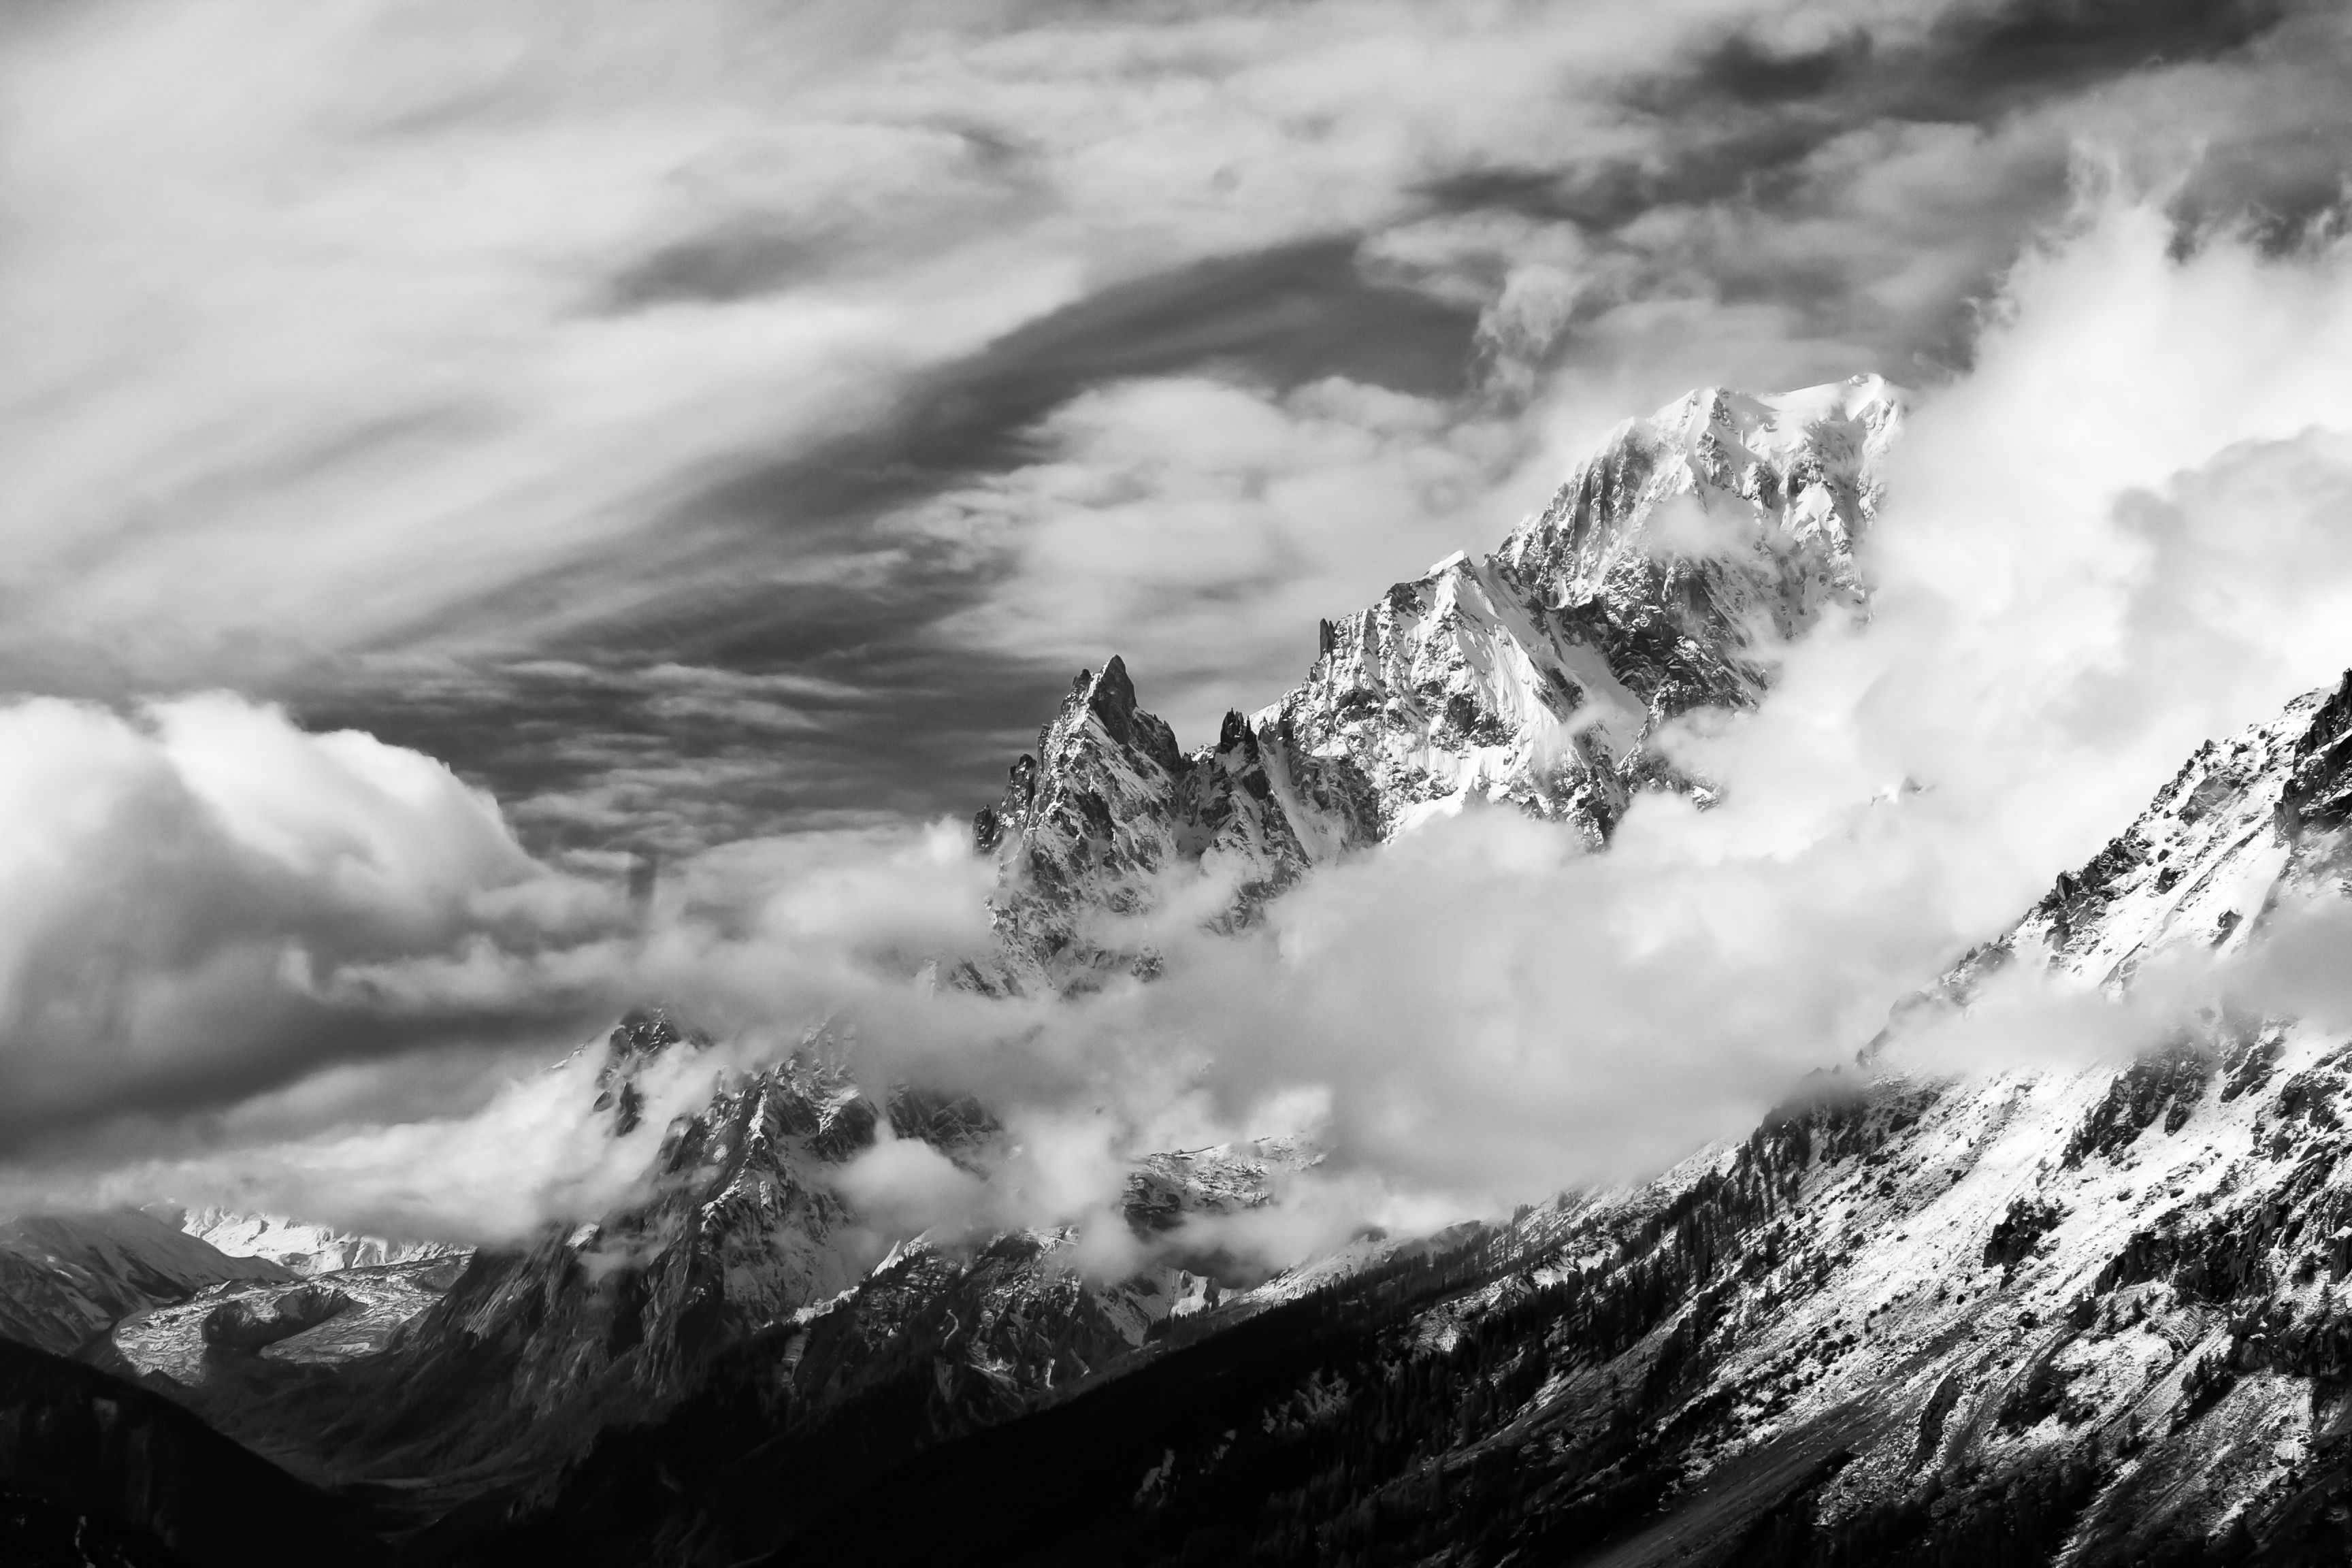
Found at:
(305, 1248)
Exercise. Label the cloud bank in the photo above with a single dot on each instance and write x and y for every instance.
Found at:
(198, 893)
(715, 443)
(2129, 529)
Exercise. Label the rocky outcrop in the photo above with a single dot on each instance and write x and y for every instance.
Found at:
(529, 1353)
(1083, 828)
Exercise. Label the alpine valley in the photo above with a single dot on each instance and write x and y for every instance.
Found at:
(2091, 1312)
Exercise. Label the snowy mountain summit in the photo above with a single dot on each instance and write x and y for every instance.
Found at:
(1656, 582)
(2092, 1307)
(1653, 584)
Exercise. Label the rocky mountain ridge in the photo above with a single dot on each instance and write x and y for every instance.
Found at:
(1657, 582)
(2084, 1312)
(2090, 1312)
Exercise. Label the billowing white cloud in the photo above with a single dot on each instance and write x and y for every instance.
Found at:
(192, 890)
(223, 931)
(2127, 531)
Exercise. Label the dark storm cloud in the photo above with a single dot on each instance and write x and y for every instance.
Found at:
(758, 251)
(1749, 151)
(605, 755)
(716, 268)
(1286, 315)
(205, 901)
(1745, 71)
(1738, 111)
(1973, 65)
(251, 1042)
(1988, 59)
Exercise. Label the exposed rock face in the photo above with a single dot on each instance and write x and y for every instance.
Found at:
(1080, 834)
(1655, 583)
(1163, 1189)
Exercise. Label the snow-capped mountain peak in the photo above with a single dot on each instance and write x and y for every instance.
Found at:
(1534, 675)
(304, 1247)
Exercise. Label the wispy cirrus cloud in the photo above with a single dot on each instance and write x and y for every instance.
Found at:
(355, 341)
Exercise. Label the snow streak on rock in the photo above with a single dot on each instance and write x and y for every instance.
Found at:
(1650, 586)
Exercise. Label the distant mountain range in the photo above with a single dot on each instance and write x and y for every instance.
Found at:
(2090, 1312)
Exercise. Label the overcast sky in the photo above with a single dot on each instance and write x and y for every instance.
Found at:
(697, 420)
(452, 450)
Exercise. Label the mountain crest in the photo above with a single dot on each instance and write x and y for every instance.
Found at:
(1535, 676)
